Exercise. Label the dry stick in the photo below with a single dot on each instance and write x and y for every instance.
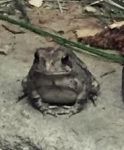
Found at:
(114, 4)
(12, 31)
(60, 7)
(62, 41)
(107, 73)
(109, 2)
(96, 2)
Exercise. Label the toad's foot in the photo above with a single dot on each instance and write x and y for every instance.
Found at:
(54, 111)
(74, 109)
(62, 110)
(42, 107)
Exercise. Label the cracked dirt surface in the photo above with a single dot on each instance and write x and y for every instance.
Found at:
(24, 128)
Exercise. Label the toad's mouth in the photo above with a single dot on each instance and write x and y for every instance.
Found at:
(57, 73)
(53, 73)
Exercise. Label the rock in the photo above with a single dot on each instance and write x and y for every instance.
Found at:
(90, 9)
(5, 49)
(25, 114)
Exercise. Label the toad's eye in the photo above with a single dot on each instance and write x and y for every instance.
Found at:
(65, 60)
(36, 55)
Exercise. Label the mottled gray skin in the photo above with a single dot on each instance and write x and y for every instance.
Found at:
(58, 82)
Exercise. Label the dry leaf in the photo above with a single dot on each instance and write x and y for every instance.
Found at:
(116, 24)
(86, 32)
(36, 3)
(107, 39)
(90, 9)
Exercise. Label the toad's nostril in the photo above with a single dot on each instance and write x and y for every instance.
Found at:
(49, 65)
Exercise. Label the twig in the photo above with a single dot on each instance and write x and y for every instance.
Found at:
(114, 4)
(96, 2)
(109, 2)
(60, 7)
(12, 31)
(107, 73)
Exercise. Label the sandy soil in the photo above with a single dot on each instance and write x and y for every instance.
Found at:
(24, 128)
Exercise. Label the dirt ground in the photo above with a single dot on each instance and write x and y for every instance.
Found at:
(24, 128)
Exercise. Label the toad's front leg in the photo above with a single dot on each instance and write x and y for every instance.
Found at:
(37, 102)
(79, 104)
(43, 107)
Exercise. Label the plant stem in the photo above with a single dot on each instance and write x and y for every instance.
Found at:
(81, 47)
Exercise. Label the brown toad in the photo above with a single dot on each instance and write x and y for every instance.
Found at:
(58, 82)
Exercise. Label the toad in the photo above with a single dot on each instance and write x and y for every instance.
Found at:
(59, 82)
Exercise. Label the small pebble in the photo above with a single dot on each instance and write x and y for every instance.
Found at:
(25, 114)
(25, 148)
